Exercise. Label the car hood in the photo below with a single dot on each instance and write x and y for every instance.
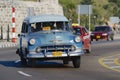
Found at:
(52, 37)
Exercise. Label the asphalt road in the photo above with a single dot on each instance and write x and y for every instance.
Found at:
(102, 64)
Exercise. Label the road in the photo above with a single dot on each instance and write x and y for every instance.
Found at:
(101, 64)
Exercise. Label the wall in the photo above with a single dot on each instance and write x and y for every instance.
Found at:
(22, 10)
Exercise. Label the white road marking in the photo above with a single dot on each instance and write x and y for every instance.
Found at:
(108, 62)
(108, 59)
(111, 62)
(115, 67)
(24, 74)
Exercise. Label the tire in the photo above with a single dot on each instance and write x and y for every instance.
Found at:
(31, 62)
(91, 39)
(88, 50)
(76, 62)
(108, 38)
(23, 61)
(112, 38)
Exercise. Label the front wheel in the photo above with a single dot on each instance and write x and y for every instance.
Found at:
(76, 61)
(108, 38)
(23, 61)
(88, 50)
(31, 62)
(112, 38)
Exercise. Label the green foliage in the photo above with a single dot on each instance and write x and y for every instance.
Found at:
(116, 9)
(102, 10)
(87, 2)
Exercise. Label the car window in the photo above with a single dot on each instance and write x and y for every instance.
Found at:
(76, 31)
(101, 28)
(85, 30)
(46, 26)
(24, 28)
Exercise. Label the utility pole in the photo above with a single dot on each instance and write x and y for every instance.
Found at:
(1, 33)
(13, 23)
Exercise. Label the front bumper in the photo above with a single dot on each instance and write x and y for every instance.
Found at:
(99, 37)
(50, 55)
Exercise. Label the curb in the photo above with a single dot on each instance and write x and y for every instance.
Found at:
(7, 44)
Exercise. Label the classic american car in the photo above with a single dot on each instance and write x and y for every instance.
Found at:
(84, 35)
(102, 32)
(48, 37)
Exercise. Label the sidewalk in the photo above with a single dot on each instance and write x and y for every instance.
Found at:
(5, 44)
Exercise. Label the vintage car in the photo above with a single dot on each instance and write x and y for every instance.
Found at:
(102, 32)
(84, 35)
(48, 37)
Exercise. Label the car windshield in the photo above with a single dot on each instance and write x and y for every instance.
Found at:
(101, 28)
(47, 26)
(76, 30)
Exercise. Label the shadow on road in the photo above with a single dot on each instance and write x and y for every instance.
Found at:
(7, 63)
(39, 64)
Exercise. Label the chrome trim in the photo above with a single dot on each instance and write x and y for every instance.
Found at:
(49, 54)
(55, 41)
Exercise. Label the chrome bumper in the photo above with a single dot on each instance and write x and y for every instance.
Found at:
(49, 54)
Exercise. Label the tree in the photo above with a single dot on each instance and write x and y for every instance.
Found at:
(69, 8)
(116, 8)
(87, 2)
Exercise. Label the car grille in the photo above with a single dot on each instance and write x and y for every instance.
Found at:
(63, 48)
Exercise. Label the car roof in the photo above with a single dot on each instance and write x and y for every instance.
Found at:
(81, 27)
(45, 18)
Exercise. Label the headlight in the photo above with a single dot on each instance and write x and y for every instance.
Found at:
(77, 39)
(105, 34)
(32, 41)
(38, 49)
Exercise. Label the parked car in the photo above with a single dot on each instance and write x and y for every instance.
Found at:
(102, 32)
(84, 35)
(48, 37)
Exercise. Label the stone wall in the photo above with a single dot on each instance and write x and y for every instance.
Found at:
(22, 11)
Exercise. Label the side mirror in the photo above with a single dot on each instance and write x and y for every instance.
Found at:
(18, 35)
(23, 35)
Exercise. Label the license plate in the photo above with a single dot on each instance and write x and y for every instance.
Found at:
(46, 28)
(97, 36)
(57, 53)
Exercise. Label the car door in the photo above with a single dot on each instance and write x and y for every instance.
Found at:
(23, 36)
(86, 38)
